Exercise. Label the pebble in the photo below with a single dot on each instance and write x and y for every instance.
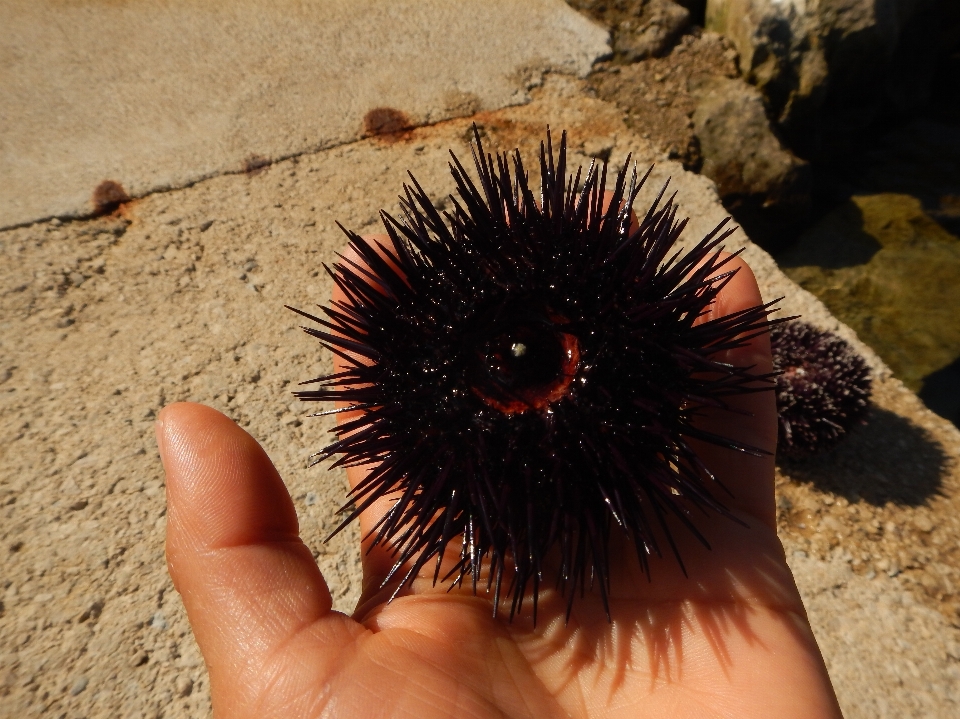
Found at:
(184, 686)
(79, 686)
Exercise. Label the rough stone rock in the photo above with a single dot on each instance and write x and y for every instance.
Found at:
(655, 94)
(780, 51)
(639, 28)
(652, 32)
(853, 610)
(765, 185)
(842, 61)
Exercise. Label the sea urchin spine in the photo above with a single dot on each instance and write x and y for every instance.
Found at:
(530, 370)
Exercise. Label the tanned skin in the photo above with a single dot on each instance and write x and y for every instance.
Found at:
(731, 639)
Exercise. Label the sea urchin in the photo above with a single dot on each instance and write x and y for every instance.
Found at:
(823, 387)
(530, 370)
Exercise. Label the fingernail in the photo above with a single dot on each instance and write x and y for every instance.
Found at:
(161, 434)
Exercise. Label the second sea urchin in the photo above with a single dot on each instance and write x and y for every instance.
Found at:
(823, 387)
(530, 371)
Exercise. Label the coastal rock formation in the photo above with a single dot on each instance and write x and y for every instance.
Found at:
(639, 28)
(829, 69)
(764, 184)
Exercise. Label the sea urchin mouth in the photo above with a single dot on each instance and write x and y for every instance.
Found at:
(527, 374)
(526, 365)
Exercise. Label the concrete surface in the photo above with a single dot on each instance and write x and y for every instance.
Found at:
(179, 296)
(162, 93)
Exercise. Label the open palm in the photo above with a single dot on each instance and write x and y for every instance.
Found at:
(732, 640)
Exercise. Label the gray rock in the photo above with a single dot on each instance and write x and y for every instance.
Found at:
(652, 31)
(910, 644)
(779, 48)
(759, 180)
(158, 621)
(639, 28)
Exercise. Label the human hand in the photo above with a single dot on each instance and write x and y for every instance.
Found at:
(732, 640)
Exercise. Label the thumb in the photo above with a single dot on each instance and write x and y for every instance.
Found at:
(248, 582)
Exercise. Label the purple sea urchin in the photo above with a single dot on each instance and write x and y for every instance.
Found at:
(530, 371)
(823, 388)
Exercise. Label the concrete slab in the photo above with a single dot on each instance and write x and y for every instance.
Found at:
(160, 94)
(179, 296)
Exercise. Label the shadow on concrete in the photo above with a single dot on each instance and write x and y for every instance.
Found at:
(886, 459)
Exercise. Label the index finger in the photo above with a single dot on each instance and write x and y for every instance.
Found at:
(753, 421)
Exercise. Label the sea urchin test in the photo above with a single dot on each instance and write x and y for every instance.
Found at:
(823, 388)
(528, 371)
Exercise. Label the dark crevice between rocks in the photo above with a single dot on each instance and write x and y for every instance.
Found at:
(941, 391)
(880, 81)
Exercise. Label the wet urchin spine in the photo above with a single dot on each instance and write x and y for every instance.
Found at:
(530, 370)
(823, 388)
